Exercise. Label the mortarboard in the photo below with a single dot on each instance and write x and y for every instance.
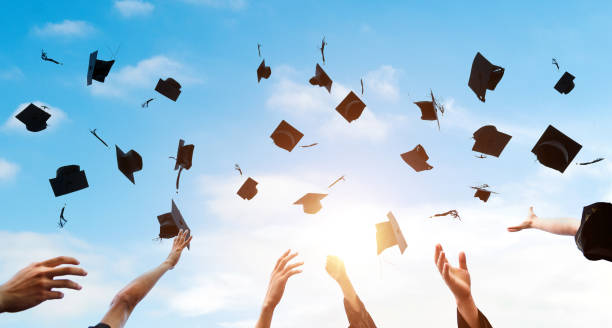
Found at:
(171, 223)
(311, 202)
(34, 118)
(169, 88)
(98, 69)
(483, 76)
(128, 163)
(490, 141)
(417, 159)
(68, 179)
(248, 189)
(321, 79)
(565, 83)
(482, 193)
(263, 71)
(351, 107)
(555, 149)
(429, 109)
(389, 234)
(594, 236)
(184, 155)
(286, 136)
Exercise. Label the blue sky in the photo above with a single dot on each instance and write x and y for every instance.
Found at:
(401, 50)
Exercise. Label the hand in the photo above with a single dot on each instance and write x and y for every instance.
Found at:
(279, 277)
(180, 242)
(335, 268)
(35, 283)
(457, 279)
(528, 223)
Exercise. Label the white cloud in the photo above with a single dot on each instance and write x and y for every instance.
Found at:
(13, 73)
(130, 8)
(231, 4)
(382, 82)
(144, 75)
(368, 127)
(8, 170)
(57, 117)
(67, 28)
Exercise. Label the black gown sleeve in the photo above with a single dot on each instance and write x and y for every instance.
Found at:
(482, 320)
(360, 318)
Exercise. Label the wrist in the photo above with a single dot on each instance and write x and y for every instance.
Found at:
(465, 301)
(268, 307)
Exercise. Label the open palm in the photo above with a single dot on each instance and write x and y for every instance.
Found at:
(528, 223)
(456, 278)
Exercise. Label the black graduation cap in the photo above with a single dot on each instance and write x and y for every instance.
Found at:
(594, 236)
(565, 83)
(483, 193)
(184, 155)
(351, 107)
(98, 69)
(555, 149)
(490, 141)
(169, 88)
(311, 202)
(483, 76)
(128, 163)
(68, 179)
(389, 234)
(34, 118)
(171, 223)
(248, 189)
(429, 109)
(417, 159)
(321, 79)
(263, 71)
(286, 136)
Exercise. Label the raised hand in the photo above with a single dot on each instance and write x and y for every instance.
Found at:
(36, 283)
(456, 278)
(278, 279)
(527, 224)
(335, 267)
(180, 242)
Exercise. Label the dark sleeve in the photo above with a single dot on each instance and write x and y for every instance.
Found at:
(482, 320)
(360, 318)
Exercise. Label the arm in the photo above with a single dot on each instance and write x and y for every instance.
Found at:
(276, 287)
(126, 300)
(560, 226)
(35, 283)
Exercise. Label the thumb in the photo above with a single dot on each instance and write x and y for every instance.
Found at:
(531, 211)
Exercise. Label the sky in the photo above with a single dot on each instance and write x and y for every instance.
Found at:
(401, 50)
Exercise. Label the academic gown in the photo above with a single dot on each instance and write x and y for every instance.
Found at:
(482, 321)
(360, 318)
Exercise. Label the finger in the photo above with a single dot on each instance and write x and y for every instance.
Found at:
(441, 261)
(69, 270)
(515, 228)
(531, 211)
(292, 266)
(53, 295)
(446, 273)
(64, 283)
(59, 260)
(186, 242)
(462, 261)
(281, 265)
(437, 253)
(292, 272)
(281, 258)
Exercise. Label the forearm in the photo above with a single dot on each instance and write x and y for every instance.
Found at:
(265, 317)
(349, 293)
(468, 310)
(560, 226)
(140, 287)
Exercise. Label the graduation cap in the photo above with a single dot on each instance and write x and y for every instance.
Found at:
(184, 155)
(565, 83)
(169, 88)
(594, 236)
(482, 192)
(351, 107)
(429, 109)
(389, 234)
(555, 149)
(128, 163)
(98, 69)
(311, 202)
(263, 71)
(286, 136)
(171, 223)
(483, 76)
(34, 118)
(490, 141)
(321, 79)
(417, 159)
(248, 189)
(68, 179)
